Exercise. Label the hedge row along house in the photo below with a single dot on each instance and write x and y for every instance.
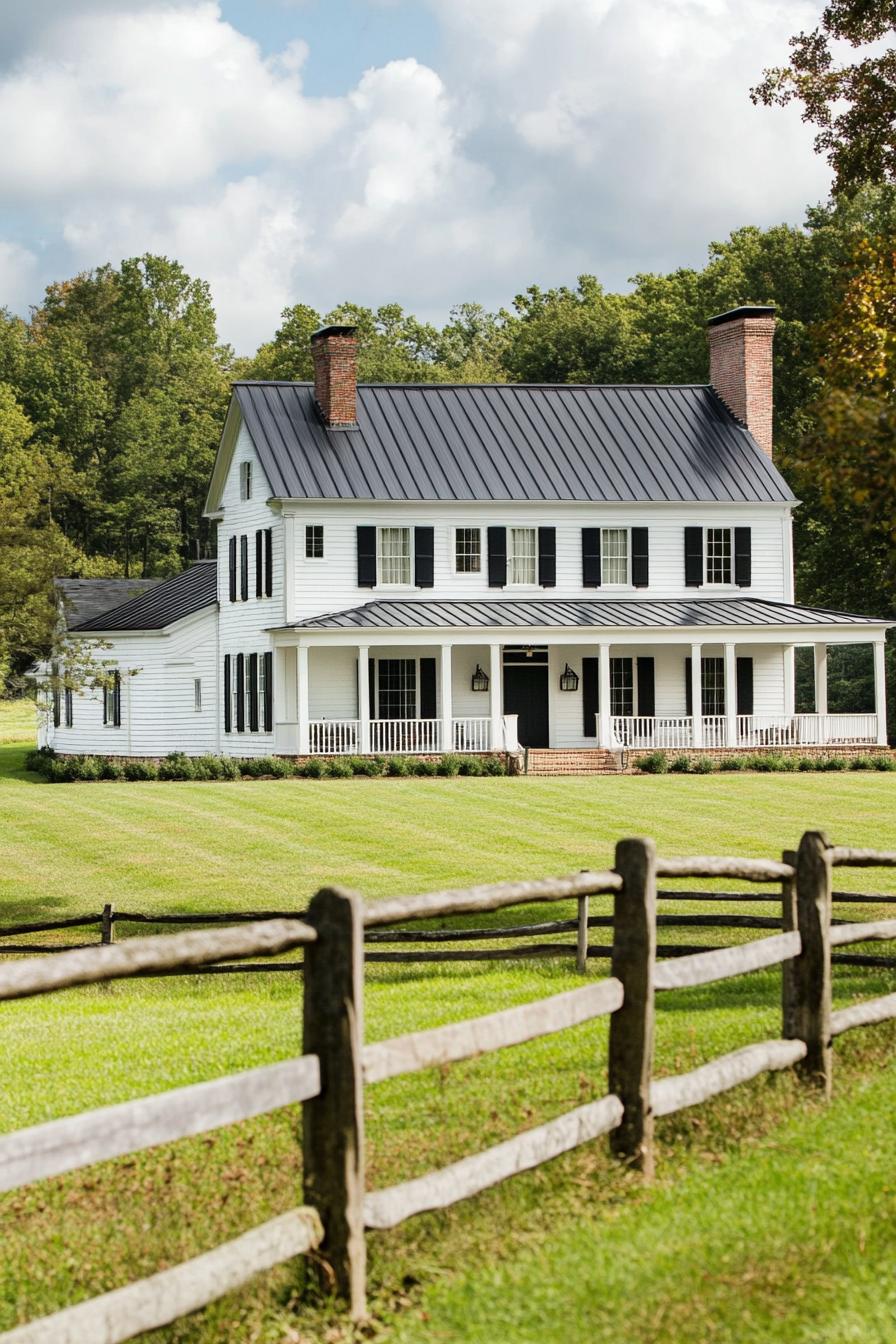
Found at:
(573, 569)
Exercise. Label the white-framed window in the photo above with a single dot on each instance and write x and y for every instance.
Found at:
(394, 555)
(248, 690)
(614, 557)
(262, 689)
(622, 686)
(712, 686)
(314, 541)
(718, 550)
(109, 705)
(197, 694)
(522, 555)
(245, 480)
(467, 550)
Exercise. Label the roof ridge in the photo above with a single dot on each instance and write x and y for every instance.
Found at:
(510, 387)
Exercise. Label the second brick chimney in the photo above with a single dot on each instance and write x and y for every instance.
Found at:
(335, 354)
(740, 367)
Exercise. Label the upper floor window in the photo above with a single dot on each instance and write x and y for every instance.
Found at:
(314, 541)
(245, 480)
(467, 550)
(718, 555)
(614, 555)
(522, 555)
(394, 555)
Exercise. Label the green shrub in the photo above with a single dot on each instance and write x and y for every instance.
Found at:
(420, 766)
(176, 765)
(138, 770)
(339, 768)
(39, 762)
(704, 765)
(259, 767)
(494, 765)
(397, 766)
(62, 770)
(369, 766)
(471, 765)
(680, 765)
(654, 763)
(762, 762)
(834, 763)
(312, 768)
(807, 763)
(111, 769)
(861, 763)
(730, 763)
(448, 765)
(883, 762)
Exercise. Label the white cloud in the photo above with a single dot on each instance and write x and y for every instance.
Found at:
(18, 274)
(555, 136)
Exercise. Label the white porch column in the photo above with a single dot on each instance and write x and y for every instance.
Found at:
(789, 679)
(697, 695)
(603, 696)
(363, 700)
(447, 735)
(496, 697)
(880, 691)
(730, 695)
(302, 701)
(821, 678)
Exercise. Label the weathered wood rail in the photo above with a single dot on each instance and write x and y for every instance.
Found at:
(329, 1078)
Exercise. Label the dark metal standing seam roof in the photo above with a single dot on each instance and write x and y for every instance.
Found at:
(167, 601)
(431, 441)
(83, 599)
(426, 613)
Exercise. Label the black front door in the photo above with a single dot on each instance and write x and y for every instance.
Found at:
(526, 695)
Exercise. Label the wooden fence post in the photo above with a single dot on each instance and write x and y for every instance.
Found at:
(333, 1122)
(107, 932)
(631, 1026)
(582, 937)
(812, 968)
(789, 922)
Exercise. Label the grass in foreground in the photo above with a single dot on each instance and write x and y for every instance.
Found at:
(747, 1182)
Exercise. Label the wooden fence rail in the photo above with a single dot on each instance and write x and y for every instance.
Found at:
(330, 1076)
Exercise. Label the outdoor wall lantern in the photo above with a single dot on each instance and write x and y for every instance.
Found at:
(569, 680)
(480, 679)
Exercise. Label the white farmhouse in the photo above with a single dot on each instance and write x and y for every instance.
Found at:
(437, 568)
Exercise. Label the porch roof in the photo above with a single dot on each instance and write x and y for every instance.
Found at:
(590, 613)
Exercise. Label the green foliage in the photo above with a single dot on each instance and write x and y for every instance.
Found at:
(339, 768)
(140, 770)
(653, 763)
(731, 764)
(448, 765)
(313, 768)
(703, 765)
(397, 766)
(177, 765)
(680, 765)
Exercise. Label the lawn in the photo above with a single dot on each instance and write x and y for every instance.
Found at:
(716, 1250)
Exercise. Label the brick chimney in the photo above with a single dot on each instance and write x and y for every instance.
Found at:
(335, 354)
(740, 367)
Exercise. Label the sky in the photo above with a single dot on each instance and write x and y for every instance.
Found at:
(425, 152)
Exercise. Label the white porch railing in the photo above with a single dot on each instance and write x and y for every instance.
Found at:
(714, 730)
(405, 736)
(640, 731)
(334, 737)
(806, 730)
(472, 734)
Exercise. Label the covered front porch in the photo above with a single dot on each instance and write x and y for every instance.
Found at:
(421, 691)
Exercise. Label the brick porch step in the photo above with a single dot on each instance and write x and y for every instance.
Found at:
(590, 761)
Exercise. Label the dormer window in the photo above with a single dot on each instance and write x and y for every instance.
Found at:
(245, 480)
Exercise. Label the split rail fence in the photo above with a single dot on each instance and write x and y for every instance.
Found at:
(330, 1077)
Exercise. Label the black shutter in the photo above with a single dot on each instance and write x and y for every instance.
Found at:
(268, 692)
(590, 694)
(57, 697)
(69, 709)
(743, 557)
(640, 559)
(646, 687)
(547, 557)
(745, 685)
(693, 557)
(424, 547)
(366, 557)
(371, 688)
(497, 557)
(253, 692)
(231, 546)
(268, 562)
(688, 697)
(228, 702)
(427, 688)
(259, 563)
(590, 557)
(240, 693)
(116, 699)
(244, 568)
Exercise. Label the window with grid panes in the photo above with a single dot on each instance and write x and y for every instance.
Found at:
(718, 555)
(467, 550)
(614, 555)
(622, 686)
(397, 688)
(395, 555)
(314, 541)
(522, 555)
(712, 694)
(248, 691)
